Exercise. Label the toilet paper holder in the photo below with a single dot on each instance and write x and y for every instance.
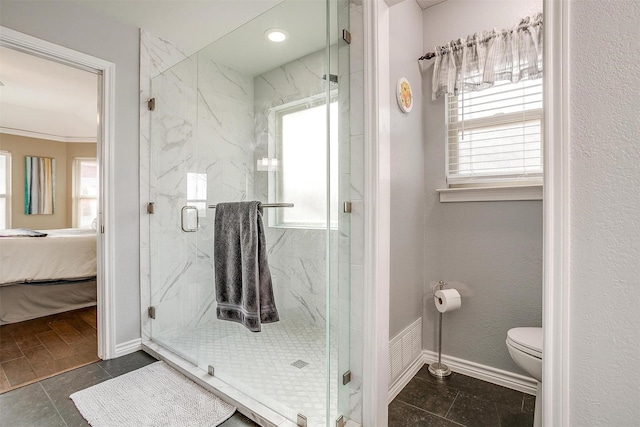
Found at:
(439, 369)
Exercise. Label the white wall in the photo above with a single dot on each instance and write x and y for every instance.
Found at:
(73, 26)
(604, 374)
(407, 170)
(493, 248)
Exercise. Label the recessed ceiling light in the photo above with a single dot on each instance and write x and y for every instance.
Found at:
(276, 35)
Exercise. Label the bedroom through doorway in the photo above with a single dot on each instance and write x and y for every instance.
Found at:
(50, 193)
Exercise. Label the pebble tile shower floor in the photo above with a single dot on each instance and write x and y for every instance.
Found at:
(283, 366)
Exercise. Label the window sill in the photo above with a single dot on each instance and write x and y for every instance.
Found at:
(490, 194)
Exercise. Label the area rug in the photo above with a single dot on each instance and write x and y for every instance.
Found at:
(156, 395)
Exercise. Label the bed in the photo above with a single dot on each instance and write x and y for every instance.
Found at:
(40, 276)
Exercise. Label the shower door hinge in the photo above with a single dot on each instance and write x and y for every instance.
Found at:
(346, 36)
(152, 312)
(151, 208)
(302, 421)
(346, 378)
(340, 422)
(347, 207)
(211, 370)
(151, 104)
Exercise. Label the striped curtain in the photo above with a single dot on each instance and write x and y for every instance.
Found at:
(40, 185)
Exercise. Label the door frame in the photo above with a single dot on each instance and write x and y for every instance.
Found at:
(105, 153)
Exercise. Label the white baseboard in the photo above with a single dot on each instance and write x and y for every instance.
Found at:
(483, 372)
(128, 347)
(405, 377)
(474, 370)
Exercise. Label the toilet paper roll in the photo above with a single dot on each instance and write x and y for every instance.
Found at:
(447, 300)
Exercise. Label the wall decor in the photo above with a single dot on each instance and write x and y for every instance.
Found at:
(39, 185)
(404, 95)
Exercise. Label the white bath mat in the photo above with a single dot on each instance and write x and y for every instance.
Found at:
(156, 395)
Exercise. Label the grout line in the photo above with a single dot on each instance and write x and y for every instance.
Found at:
(53, 403)
(100, 366)
(451, 406)
(431, 413)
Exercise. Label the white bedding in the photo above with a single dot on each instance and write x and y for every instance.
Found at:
(65, 254)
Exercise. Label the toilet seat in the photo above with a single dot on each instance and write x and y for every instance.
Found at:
(527, 340)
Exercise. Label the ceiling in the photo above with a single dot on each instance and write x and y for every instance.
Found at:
(248, 50)
(428, 3)
(44, 99)
(189, 24)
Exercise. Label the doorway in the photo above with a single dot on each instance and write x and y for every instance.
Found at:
(92, 209)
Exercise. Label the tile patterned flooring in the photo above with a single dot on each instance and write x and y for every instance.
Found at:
(426, 401)
(43, 347)
(459, 400)
(46, 403)
(262, 365)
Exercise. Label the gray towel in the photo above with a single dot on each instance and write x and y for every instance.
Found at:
(243, 281)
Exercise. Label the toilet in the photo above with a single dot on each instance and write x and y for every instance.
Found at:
(525, 348)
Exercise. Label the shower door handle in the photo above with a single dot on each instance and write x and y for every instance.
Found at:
(189, 219)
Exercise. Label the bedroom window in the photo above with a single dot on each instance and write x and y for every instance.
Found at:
(85, 193)
(494, 136)
(5, 189)
(301, 162)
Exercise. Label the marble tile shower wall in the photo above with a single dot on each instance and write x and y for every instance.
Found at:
(225, 148)
(158, 55)
(297, 257)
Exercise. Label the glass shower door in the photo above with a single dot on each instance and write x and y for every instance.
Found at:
(175, 294)
(271, 126)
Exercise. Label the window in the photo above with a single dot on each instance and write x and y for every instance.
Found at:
(197, 192)
(5, 189)
(494, 136)
(301, 163)
(85, 193)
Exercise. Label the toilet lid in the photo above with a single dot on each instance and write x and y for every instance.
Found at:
(528, 340)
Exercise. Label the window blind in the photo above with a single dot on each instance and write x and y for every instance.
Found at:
(494, 136)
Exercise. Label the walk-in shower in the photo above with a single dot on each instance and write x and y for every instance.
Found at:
(247, 118)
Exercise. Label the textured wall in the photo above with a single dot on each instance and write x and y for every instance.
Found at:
(604, 374)
(76, 27)
(493, 248)
(407, 170)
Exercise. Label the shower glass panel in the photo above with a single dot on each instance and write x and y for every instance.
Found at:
(176, 295)
(249, 119)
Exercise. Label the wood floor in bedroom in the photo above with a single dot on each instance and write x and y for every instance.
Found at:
(40, 348)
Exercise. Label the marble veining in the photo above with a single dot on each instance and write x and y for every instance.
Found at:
(224, 130)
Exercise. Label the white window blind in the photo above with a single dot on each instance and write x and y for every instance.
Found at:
(494, 136)
(5, 189)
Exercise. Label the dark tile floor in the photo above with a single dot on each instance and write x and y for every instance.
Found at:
(46, 403)
(426, 401)
(40, 348)
(459, 400)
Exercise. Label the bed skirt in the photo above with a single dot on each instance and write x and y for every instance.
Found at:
(25, 302)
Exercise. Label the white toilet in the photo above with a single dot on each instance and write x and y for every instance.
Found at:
(525, 348)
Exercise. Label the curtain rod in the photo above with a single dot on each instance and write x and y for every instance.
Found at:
(522, 25)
